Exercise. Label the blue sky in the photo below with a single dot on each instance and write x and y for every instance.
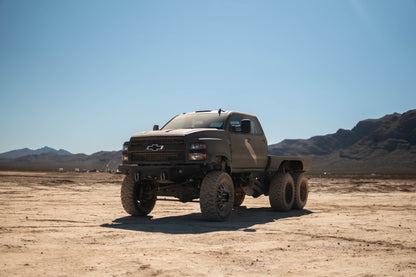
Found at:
(85, 75)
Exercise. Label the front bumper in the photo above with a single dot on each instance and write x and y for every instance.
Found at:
(160, 173)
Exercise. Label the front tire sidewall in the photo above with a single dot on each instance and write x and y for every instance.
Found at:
(217, 196)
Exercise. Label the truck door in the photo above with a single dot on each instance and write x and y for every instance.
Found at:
(258, 142)
(248, 150)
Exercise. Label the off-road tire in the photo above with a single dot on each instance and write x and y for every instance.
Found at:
(301, 190)
(239, 196)
(282, 192)
(216, 196)
(137, 199)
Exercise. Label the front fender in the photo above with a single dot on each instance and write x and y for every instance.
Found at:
(216, 147)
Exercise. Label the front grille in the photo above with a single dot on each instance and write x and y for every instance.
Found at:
(151, 150)
(157, 157)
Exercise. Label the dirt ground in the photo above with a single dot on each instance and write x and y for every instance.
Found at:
(72, 224)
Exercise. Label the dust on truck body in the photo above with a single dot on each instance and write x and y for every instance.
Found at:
(216, 156)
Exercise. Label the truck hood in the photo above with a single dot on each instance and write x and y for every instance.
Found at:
(174, 133)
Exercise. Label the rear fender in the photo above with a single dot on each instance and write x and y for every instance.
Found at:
(289, 164)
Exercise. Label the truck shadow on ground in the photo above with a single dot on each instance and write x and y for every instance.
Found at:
(242, 219)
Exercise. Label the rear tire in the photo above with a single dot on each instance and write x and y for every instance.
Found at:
(282, 192)
(138, 199)
(239, 196)
(301, 190)
(216, 196)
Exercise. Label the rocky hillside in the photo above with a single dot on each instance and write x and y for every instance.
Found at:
(386, 146)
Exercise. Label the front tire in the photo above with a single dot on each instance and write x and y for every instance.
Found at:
(282, 192)
(138, 199)
(216, 196)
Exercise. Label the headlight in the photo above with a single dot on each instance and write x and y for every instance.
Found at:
(197, 151)
(124, 157)
(125, 147)
(197, 156)
(197, 146)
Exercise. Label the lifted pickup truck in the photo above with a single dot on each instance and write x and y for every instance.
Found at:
(216, 156)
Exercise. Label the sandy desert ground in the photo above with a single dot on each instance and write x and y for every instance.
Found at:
(72, 224)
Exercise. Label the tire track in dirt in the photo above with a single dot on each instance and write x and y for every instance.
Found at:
(349, 239)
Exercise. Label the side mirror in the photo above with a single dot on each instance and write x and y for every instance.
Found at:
(245, 126)
(155, 127)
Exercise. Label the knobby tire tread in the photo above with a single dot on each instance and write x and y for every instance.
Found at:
(129, 201)
(277, 197)
(208, 196)
(301, 183)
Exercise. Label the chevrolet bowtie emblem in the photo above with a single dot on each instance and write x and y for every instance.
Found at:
(155, 147)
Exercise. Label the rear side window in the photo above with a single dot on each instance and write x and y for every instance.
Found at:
(255, 127)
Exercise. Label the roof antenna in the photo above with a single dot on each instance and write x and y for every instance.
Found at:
(219, 112)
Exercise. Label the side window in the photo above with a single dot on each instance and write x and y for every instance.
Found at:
(255, 127)
(235, 123)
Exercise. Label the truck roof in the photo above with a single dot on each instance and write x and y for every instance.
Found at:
(220, 111)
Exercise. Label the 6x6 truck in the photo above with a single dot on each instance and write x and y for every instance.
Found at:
(216, 156)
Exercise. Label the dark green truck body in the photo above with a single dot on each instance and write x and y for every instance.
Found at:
(175, 159)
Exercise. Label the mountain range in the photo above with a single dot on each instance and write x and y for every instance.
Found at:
(381, 146)
(26, 152)
(52, 159)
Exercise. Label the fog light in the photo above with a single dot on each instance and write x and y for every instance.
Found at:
(197, 156)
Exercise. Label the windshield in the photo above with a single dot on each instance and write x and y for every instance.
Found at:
(196, 120)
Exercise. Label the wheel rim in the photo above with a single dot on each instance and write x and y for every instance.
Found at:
(142, 195)
(138, 191)
(223, 197)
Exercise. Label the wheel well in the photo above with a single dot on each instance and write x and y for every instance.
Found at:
(291, 166)
(224, 165)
